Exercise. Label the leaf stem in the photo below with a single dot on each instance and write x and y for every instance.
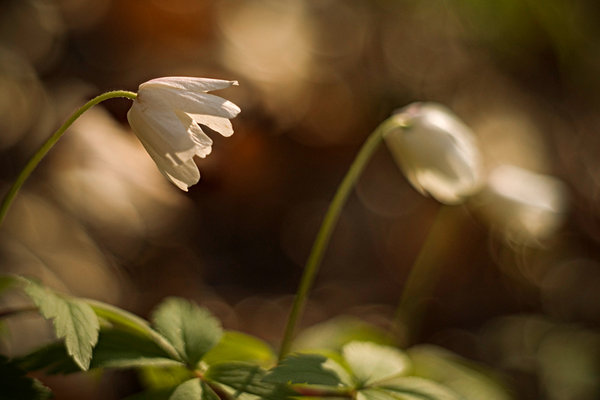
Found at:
(327, 226)
(48, 144)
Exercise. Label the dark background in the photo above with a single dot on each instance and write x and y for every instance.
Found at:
(96, 219)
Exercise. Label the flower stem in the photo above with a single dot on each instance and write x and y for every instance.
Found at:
(424, 274)
(43, 150)
(329, 221)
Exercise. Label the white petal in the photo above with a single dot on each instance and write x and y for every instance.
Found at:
(188, 83)
(162, 130)
(182, 175)
(436, 152)
(190, 102)
(217, 124)
(201, 139)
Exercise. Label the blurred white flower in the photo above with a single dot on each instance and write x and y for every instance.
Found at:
(166, 117)
(526, 206)
(436, 151)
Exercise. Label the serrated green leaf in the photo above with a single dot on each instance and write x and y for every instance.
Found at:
(73, 320)
(379, 394)
(412, 387)
(371, 363)
(115, 349)
(124, 320)
(311, 369)
(188, 390)
(247, 378)
(15, 384)
(469, 380)
(337, 332)
(237, 346)
(194, 389)
(192, 330)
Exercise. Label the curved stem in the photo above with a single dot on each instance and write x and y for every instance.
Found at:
(43, 150)
(327, 226)
(425, 273)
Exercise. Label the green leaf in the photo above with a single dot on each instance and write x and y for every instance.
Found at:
(192, 330)
(154, 394)
(469, 380)
(127, 321)
(188, 390)
(371, 363)
(194, 389)
(337, 332)
(161, 377)
(15, 384)
(312, 369)
(115, 349)
(247, 378)
(411, 387)
(379, 394)
(73, 319)
(6, 282)
(237, 346)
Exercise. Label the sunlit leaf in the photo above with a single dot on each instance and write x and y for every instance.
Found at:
(410, 387)
(14, 384)
(372, 363)
(309, 369)
(247, 378)
(467, 379)
(335, 333)
(192, 330)
(161, 377)
(73, 320)
(237, 346)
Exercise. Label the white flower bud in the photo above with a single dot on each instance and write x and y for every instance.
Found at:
(165, 118)
(436, 151)
(525, 206)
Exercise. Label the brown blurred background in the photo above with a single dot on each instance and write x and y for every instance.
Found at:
(316, 77)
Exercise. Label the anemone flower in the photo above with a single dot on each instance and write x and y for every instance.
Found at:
(436, 151)
(167, 117)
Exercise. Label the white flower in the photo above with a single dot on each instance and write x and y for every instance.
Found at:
(436, 151)
(524, 205)
(165, 118)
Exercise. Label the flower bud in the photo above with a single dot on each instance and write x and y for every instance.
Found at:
(436, 151)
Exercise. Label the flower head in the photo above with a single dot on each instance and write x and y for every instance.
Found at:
(436, 151)
(167, 117)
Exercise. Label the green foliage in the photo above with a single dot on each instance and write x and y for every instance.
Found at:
(15, 384)
(237, 346)
(73, 319)
(310, 369)
(337, 332)
(247, 378)
(469, 380)
(371, 363)
(192, 330)
(194, 389)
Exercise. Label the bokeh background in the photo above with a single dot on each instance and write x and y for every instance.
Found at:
(316, 77)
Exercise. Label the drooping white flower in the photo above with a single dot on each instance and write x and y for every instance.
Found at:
(436, 151)
(525, 206)
(167, 117)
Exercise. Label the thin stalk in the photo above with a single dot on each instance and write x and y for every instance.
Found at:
(327, 226)
(44, 148)
(424, 274)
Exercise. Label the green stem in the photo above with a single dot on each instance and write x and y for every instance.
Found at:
(327, 226)
(424, 275)
(43, 150)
